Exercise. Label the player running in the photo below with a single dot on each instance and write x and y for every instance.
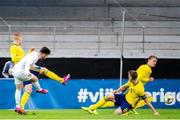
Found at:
(125, 102)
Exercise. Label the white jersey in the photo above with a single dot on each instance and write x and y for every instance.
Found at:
(26, 62)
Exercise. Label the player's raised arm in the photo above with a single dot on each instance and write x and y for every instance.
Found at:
(122, 88)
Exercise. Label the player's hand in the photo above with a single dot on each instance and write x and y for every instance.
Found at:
(156, 113)
(151, 79)
(31, 49)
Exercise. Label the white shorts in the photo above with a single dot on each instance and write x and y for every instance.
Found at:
(20, 76)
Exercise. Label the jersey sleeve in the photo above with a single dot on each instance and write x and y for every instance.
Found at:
(128, 83)
(15, 56)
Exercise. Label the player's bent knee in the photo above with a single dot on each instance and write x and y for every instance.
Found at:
(28, 88)
(147, 95)
(34, 79)
(19, 86)
(110, 97)
(118, 111)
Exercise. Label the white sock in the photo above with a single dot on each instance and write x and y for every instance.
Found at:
(18, 97)
(37, 85)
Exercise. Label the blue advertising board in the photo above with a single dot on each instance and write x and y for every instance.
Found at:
(79, 93)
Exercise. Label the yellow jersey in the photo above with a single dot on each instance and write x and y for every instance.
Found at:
(16, 52)
(144, 73)
(135, 93)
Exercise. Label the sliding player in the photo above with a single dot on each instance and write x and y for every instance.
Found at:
(144, 75)
(125, 102)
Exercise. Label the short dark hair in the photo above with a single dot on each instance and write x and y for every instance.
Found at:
(133, 74)
(45, 50)
(152, 56)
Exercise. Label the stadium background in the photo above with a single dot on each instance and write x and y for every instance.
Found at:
(87, 39)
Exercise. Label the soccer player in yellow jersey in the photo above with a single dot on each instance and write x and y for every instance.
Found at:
(144, 75)
(17, 54)
(145, 71)
(125, 102)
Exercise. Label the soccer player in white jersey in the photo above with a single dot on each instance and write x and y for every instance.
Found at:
(21, 73)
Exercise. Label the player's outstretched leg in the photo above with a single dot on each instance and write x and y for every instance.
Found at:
(92, 108)
(54, 76)
(108, 104)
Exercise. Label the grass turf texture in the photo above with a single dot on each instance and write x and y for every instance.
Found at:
(79, 114)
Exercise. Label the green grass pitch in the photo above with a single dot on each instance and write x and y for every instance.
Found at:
(79, 114)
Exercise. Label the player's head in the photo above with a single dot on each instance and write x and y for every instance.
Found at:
(152, 61)
(43, 53)
(17, 38)
(132, 75)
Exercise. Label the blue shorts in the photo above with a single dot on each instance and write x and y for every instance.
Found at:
(33, 72)
(122, 103)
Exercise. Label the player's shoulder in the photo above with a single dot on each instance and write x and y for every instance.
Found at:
(145, 66)
(140, 84)
(34, 54)
(13, 45)
(128, 83)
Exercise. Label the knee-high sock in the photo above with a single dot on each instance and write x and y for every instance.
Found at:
(37, 85)
(25, 98)
(141, 103)
(54, 76)
(18, 97)
(98, 104)
(108, 104)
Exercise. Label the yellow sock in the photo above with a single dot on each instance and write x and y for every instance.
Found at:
(108, 104)
(53, 76)
(98, 104)
(25, 98)
(142, 103)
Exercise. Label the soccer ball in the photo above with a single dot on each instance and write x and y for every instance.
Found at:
(168, 99)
